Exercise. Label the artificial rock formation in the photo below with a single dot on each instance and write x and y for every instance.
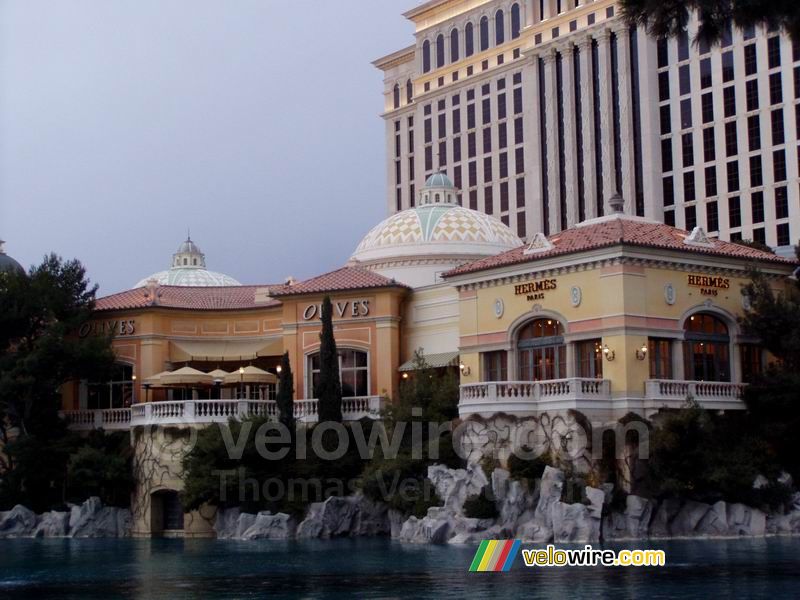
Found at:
(88, 520)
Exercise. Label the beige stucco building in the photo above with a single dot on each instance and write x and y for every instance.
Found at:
(617, 314)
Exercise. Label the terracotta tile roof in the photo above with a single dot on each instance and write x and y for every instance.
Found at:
(613, 231)
(240, 297)
(346, 278)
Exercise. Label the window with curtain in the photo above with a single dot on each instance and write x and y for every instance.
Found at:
(706, 348)
(541, 351)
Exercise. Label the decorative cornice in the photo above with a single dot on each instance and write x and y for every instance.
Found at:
(592, 264)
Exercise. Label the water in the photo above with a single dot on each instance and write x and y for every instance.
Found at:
(379, 568)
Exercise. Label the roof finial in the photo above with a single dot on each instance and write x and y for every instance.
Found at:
(616, 203)
(188, 234)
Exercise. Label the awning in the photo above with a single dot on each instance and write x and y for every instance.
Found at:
(224, 350)
(434, 361)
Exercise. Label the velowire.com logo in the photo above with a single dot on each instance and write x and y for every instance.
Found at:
(495, 555)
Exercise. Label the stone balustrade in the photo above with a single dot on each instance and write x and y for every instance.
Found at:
(711, 395)
(203, 412)
(529, 397)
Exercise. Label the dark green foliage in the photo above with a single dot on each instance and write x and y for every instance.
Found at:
(303, 480)
(707, 458)
(772, 401)
(40, 314)
(480, 506)
(102, 467)
(529, 470)
(425, 397)
(329, 390)
(285, 397)
(669, 17)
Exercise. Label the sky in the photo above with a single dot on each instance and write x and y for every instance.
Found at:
(253, 123)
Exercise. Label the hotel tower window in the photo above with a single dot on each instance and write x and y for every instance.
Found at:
(706, 348)
(541, 351)
(353, 371)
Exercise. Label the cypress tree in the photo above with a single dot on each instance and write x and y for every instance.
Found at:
(285, 397)
(329, 390)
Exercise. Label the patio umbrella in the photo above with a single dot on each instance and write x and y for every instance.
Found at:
(251, 375)
(186, 376)
(218, 374)
(155, 380)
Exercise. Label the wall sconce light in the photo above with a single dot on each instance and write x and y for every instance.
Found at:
(641, 353)
(608, 353)
(464, 369)
(278, 369)
(405, 375)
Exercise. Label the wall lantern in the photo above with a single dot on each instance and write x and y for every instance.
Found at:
(464, 369)
(608, 353)
(278, 369)
(641, 353)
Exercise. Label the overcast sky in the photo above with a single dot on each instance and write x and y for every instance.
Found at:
(253, 122)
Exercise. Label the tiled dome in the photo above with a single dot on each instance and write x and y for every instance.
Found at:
(436, 229)
(189, 269)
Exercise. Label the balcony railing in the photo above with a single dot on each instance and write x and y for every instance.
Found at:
(203, 412)
(712, 395)
(528, 397)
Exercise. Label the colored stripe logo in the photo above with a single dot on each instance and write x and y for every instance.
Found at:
(495, 555)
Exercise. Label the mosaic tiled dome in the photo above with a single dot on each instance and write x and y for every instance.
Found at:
(442, 224)
(437, 228)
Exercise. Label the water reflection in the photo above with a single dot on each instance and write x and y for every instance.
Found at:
(379, 569)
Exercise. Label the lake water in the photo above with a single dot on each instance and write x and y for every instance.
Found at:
(380, 568)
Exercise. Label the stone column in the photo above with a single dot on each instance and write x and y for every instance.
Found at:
(553, 204)
(532, 147)
(606, 117)
(570, 145)
(587, 124)
(625, 118)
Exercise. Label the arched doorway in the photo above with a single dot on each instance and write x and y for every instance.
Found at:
(706, 350)
(541, 351)
(166, 512)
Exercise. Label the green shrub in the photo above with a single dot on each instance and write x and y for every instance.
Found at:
(480, 506)
(529, 470)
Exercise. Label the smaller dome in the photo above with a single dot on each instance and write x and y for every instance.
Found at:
(189, 269)
(188, 246)
(7, 263)
(439, 179)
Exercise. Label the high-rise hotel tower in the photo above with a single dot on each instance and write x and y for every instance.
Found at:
(541, 110)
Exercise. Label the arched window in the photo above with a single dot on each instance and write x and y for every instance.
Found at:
(454, 46)
(469, 40)
(426, 56)
(484, 33)
(439, 51)
(499, 28)
(409, 91)
(194, 261)
(186, 261)
(541, 351)
(353, 370)
(515, 21)
(396, 96)
(706, 349)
